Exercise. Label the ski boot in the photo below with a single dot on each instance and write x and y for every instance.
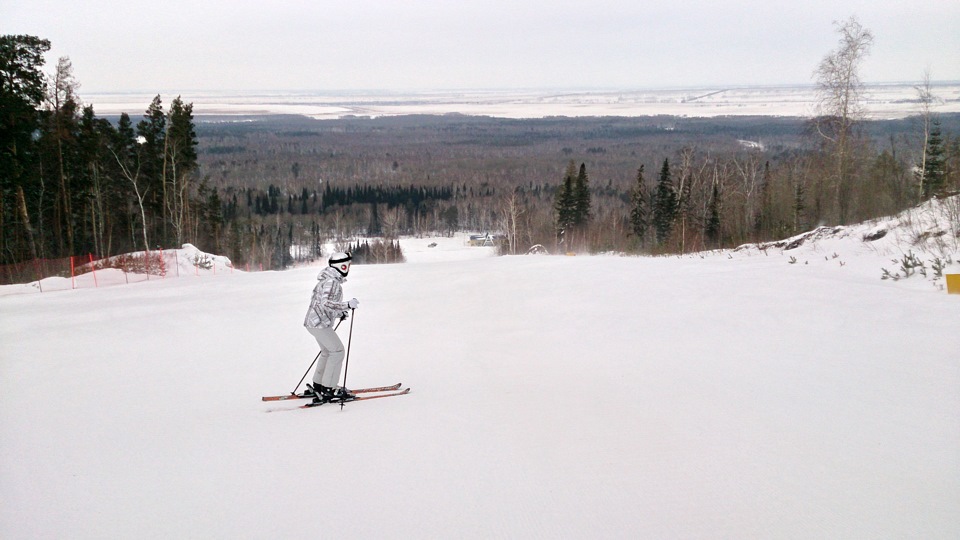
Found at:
(342, 395)
(321, 394)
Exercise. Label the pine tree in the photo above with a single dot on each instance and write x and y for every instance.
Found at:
(21, 93)
(180, 163)
(62, 134)
(933, 177)
(126, 137)
(127, 155)
(639, 210)
(151, 135)
(665, 205)
(101, 177)
(565, 205)
(376, 225)
(581, 198)
(799, 192)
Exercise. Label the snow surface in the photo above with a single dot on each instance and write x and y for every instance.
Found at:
(881, 100)
(730, 394)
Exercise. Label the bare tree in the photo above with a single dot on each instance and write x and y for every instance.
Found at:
(840, 105)
(749, 170)
(511, 208)
(133, 176)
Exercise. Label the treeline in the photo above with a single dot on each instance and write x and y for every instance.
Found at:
(275, 201)
(73, 183)
(376, 252)
(277, 190)
(698, 200)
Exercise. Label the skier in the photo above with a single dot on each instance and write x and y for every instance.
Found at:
(326, 306)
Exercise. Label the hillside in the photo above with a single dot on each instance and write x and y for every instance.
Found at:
(921, 243)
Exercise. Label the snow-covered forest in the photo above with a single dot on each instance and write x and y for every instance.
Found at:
(261, 189)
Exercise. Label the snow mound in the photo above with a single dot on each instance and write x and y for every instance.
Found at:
(125, 268)
(924, 241)
(190, 259)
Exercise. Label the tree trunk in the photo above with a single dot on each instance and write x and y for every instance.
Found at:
(25, 216)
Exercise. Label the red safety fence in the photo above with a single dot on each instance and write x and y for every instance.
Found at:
(44, 275)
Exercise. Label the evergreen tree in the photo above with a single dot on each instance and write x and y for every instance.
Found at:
(151, 133)
(180, 163)
(21, 93)
(639, 210)
(665, 204)
(125, 142)
(100, 179)
(126, 154)
(581, 198)
(22, 88)
(711, 228)
(565, 204)
(62, 155)
(799, 192)
(376, 224)
(182, 136)
(933, 177)
(210, 218)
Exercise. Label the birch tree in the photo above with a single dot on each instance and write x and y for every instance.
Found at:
(511, 208)
(840, 104)
(927, 101)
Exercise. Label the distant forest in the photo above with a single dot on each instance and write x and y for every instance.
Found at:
(270, 189)
(731, 179)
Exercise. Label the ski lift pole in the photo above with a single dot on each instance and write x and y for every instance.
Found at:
(346, 366)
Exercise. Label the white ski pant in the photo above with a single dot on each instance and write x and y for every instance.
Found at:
(331, 357)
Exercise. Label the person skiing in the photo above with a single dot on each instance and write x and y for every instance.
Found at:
(326, 306)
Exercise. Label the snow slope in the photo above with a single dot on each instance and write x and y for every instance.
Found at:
(722, 395)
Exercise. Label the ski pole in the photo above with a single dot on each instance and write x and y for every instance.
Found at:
(305, 372)
(314, 362)
(346, 366)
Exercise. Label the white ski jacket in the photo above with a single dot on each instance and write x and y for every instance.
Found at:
(327, 304)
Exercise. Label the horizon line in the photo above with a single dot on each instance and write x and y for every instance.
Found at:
(596, 89)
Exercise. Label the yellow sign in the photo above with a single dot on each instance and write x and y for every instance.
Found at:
(953, 283)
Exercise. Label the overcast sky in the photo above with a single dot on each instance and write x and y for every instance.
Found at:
(178, 45)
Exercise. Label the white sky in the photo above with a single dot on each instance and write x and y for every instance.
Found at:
(180, 45)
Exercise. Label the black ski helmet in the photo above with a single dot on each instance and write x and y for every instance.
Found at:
(341, 262)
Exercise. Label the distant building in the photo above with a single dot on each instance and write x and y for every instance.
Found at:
(480, 240)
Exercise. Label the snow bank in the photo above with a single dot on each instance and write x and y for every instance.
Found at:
(922, 243)
(130, 268)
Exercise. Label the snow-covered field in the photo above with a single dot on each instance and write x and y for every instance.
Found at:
(734, 394)
(882, 101)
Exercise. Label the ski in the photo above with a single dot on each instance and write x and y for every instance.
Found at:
(355, 391)
(359, 398)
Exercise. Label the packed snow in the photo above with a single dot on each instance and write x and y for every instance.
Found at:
(762, 392)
